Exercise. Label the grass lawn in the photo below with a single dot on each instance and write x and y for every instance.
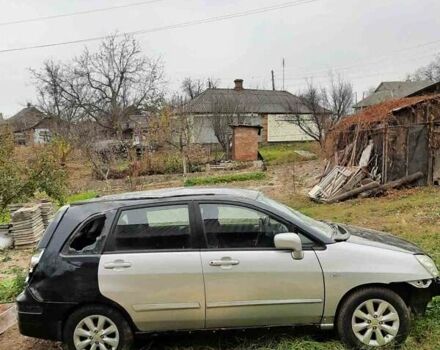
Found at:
(220, 179)
(285, 153)
(81, 196)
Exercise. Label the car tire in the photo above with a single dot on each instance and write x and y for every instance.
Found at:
(373, 317)
(110, 328)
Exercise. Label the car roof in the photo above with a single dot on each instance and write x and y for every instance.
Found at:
(174, 193)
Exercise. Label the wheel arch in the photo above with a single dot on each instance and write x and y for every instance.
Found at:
(403, 289)
(106, 303)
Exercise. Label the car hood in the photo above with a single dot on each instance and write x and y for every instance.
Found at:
(384, 240)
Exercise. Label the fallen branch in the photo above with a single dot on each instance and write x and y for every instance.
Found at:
(355, 192)
(402, 181)
(377, 187)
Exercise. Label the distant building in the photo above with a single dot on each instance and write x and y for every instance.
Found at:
(274, 110)
(390, 90)
(31, 126)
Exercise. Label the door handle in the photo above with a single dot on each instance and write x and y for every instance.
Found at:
(229, 262)
(117, 265)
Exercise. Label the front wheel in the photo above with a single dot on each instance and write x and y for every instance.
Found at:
(97, 327)
(372, 318)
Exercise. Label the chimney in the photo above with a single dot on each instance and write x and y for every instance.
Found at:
(238, 84)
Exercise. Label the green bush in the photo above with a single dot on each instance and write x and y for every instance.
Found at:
(284, 153)
(11, 287)
(20, 180)
(78, 197)
(218, 179)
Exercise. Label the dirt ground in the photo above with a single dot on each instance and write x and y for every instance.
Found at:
(13, 340)
(282, 182)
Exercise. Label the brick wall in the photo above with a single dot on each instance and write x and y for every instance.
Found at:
(245, 143)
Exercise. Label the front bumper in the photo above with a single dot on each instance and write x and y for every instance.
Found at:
(40, 319)
(420, 297)
(435, 287)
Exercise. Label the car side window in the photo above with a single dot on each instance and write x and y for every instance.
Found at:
(88, 239)
(161, 227)
(233, 226)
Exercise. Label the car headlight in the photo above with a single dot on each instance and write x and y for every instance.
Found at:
(428, 264)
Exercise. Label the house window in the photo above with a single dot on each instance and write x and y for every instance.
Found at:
(42, 136)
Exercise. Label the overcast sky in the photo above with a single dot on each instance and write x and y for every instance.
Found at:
(366, 41)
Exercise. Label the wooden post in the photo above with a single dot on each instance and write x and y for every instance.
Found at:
(430, 127)
(385, 155)
(273, 80)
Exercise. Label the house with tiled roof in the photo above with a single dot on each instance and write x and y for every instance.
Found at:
(390, 90)
(275, 111)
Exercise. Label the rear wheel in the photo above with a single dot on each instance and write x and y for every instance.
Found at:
(372, 318)
(97, 327)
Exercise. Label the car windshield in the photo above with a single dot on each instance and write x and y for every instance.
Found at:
(321, 226)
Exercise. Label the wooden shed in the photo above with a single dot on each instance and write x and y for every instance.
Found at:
(405, 135)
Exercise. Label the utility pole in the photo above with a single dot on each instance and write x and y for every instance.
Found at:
(284, 65)
(273, 80)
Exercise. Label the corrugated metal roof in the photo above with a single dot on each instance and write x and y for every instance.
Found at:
(246, 101)
(394, 89)
(382, 111)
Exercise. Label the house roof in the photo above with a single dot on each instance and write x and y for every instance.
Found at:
(394, 89)
(382, 111)
(246, 101)
(28, 118)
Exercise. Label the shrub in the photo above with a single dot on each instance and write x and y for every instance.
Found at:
(217, 179)
(11, 287)
(20, 179)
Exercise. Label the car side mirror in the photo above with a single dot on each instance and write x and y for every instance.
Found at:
(290, 241)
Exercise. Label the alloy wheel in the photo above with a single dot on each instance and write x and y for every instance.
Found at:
(375, 322)
(96, 332)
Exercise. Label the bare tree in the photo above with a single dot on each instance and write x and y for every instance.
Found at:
(191, 88)
(429, 72)
(173, 127)
(226, 111)
(53, 100)
(338, 98)
(312, 119)
(323, 108)
(105, 86)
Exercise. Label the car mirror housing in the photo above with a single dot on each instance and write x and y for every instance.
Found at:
(290, 241)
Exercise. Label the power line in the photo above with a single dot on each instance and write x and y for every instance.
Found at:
(173, 26)
(71, 14)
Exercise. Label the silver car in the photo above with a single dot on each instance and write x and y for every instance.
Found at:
(185, 259)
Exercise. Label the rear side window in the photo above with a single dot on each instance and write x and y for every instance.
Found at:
(151, 228)
(88, 239)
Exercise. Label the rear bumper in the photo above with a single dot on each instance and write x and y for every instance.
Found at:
(39, 319)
